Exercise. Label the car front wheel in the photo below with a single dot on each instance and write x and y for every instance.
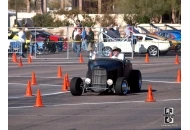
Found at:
(153, 51)
(121, 86)
(76, 86)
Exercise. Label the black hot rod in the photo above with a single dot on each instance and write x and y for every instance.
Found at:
(108, 75)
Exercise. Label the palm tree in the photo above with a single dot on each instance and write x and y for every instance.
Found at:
(28, 6)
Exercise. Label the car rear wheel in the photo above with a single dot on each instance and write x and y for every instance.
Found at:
(153, 51)
(106, 51)
(76, 86)
(135, 81)
(121, 86)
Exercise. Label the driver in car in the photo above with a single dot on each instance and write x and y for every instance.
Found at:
(117, 53)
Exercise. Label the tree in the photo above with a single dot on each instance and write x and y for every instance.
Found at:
(28, 5)
(47, 20)
(106, 20)
(43, 20)
(17, 5)
(54, 4)
(71, 14)
(88, 21)
(175, 7)
(149, 8)
(108, 6)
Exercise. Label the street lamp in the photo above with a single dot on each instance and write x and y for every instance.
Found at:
(16, 13)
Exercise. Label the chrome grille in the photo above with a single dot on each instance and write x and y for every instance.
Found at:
(99, 78)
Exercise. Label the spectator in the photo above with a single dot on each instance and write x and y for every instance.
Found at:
(74, 33)
(127, 32)
(116, 31)
(30, 44)
(111, 27)
(133, 41)
(78, 41)
(137, 28)
(11, 35)
(32, 47)
(22, 39)
(79, 25)
(84, 39)
(90, 41)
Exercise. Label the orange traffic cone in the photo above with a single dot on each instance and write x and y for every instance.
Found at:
(146, 58)
(28, 90)
(67, 80)
(150, 97)
(64, 86)
(81, 59)
(178, 76)
(20, 62)
(59, 72)
(38, 99)
(176, 60)
(29, 59)
(33, 80)
(14, 57)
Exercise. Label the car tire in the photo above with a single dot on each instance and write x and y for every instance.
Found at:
(135, 81)
(121, 86)
(76, 86)
(106, 51)
(153, 51)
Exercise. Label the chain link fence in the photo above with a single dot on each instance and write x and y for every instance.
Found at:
(49, 41)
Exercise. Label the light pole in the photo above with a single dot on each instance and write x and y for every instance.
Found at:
(16, 13)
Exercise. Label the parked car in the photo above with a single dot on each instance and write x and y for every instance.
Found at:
(106, 75)
(59, 40)
(145, 44)
(170, 34)
(176, 45)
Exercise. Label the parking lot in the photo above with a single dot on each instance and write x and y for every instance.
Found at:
(92, 111)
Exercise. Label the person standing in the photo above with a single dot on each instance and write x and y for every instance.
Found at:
(78, 41)
(90, 41)
(79, 25)
(133, 41)
(84, 39)
(127, 32)
(74, 33)
(22, 39)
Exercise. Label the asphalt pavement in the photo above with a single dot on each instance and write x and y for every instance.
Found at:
(92, 111)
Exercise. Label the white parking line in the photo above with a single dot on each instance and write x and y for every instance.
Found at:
(37, 84)
(46, 63)
(97, 103)
(27, 65)
(70, 76)
(153, 81)
(56, 93)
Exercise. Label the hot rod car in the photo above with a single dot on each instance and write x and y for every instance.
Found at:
(108, 75)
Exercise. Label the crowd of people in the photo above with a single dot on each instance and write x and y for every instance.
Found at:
(83, 38)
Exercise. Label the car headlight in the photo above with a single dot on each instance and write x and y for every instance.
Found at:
(109, 82)
(87, 81)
